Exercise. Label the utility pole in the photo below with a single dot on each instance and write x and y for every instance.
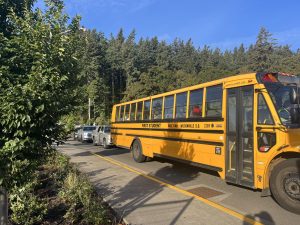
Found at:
(3, 207)
(89, 111)
(94, 110)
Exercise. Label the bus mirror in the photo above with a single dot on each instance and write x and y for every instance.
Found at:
(295, 115)
(294, 96)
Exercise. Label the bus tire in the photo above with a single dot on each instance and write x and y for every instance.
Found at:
(137, 152)
(285, 184)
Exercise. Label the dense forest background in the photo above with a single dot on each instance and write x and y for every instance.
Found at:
(122, 68)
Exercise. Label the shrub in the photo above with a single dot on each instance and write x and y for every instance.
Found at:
(26, 208)
(77, 193)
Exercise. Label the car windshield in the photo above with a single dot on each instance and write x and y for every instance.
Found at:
(89, 128)
(280, 95)
(106, 129)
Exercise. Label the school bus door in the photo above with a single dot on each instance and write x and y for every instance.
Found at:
(239, 143)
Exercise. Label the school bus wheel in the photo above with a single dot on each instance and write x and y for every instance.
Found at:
(137, 152)
(285, 184)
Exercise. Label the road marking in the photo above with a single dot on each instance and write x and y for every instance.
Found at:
(208, 202)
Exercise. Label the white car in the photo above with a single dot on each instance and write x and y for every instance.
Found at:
(101, 136)
(85, 134)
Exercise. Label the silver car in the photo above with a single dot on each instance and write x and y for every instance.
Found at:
(85, 134)
(101, 136)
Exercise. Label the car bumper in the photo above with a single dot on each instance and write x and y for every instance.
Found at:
(87, 139)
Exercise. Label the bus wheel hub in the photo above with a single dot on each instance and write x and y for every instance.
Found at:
(292, 186)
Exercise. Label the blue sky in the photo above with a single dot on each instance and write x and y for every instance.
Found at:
(217, 23)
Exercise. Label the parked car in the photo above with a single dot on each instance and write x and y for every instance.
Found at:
(101, 136)
(75, 132)
(85, 133)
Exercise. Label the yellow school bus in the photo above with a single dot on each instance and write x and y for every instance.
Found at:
(245, 127)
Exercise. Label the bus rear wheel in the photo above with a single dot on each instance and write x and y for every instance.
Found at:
(285, 184)
(137, 153)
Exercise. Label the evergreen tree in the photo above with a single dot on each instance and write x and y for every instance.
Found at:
(261, 56)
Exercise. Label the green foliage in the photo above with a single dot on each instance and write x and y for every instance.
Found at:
(77, 192)
(261, 56)
(26, 208)
(38, 75)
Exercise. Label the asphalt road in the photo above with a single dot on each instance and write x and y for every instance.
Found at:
(240, 199)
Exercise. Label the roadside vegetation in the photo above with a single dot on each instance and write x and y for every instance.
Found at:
(39, 70)
(59, 194)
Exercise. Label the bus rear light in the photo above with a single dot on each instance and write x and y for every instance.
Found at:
(264, 148)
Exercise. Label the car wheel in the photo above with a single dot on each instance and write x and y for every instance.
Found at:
(105, 145)
(137, 152)
(94, 141)
(285, 184)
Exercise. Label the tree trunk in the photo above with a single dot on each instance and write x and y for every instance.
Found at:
(3, 207)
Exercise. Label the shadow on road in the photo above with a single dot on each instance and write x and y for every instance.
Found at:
(113, 151)
(263, 216)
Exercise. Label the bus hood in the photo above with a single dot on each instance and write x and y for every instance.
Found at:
(293, 138)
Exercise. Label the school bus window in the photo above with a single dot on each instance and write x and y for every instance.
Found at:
(127, 111)
(147, 110)
(214, 101)
(195, 107)
(139, 110)
(122, 113)
(264, 114)
(132, 111)
(118, 113)
(181, 105)
(157, 108)
(266, 141)
(168, 107)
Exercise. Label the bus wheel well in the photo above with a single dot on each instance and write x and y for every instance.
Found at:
(278, 159)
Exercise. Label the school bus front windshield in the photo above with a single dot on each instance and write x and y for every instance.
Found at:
(281, 88)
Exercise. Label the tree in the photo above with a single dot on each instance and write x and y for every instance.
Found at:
(18, 7)
(38, 75)
(261, 56)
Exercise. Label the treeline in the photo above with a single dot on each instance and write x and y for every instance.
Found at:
(122, 68)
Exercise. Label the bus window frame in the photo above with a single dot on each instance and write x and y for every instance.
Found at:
(141, 112)
(135, 109)
(163, 115)
(186, 97)
(149, 118)
(123, 115)
(117, 114)
(152, 101)
(222, 101)
(269, 110)
(128, 113)
(189, 104)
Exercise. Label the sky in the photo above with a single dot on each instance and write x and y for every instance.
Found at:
(217, 23)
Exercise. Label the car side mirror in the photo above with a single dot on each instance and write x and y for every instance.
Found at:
(294, 96)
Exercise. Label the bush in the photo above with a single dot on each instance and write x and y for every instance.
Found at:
(77, 192)
(26, 208)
